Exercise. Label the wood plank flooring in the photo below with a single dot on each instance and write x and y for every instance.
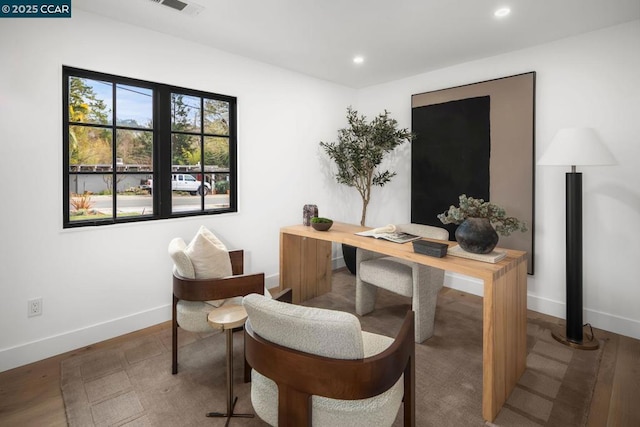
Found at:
(30, 395)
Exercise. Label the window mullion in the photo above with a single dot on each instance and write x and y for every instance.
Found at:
(233, 160)
(162, 169)
(202, 168)
(66, 214)
(114, 153)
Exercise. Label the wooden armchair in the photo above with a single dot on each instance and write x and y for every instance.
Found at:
(307, 362)
(206, 276)
(193, 317)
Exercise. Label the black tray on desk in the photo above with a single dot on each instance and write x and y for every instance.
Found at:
(426, 247)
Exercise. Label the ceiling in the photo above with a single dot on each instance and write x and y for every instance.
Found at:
(397, 39)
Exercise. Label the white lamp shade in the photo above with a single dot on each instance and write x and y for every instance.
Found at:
(576, 146)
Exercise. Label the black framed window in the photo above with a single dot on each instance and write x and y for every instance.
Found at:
(136, 150)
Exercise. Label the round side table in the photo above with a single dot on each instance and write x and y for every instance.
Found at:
(226, 318)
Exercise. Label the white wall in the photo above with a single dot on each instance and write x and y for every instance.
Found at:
(590, 80)
(101, 282)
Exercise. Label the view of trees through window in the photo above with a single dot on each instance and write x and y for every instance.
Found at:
(120, 164)
(200, 130)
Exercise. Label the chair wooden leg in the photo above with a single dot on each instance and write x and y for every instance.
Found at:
(294, 407)
(174, 338)
(409, 393)
(247, 367)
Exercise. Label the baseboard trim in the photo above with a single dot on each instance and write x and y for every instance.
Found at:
(612, 323)
(272, 281)
(475, 286)
(34, 351)
(463, 283)
(605, 321)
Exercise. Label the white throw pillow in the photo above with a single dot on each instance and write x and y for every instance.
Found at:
(209, 257)
(181, 262)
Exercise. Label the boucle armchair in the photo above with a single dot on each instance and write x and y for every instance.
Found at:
(317, 367)
(205, 276)
(419, 282)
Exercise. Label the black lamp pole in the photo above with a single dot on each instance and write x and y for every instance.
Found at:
(574, 256)
(574, 335)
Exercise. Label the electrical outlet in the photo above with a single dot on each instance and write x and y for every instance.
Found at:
(34, 307)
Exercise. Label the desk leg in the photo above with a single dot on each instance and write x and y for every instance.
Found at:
(504, 335)
(305, 266)
(231, 399)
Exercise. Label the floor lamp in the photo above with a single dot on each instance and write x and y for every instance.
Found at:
(575, 147)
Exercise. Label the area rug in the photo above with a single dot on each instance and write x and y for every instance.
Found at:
(130, 383)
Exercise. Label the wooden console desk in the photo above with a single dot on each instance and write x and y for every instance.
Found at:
(305, 267)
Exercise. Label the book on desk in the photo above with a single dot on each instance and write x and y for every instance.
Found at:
(389, 233)
(492, 257)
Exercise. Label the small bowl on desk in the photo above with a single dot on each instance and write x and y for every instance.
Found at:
(321, 224)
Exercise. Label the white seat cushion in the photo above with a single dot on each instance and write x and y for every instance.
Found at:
(192, 315)
(390, 273)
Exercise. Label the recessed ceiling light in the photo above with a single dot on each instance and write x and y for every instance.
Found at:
(502, 12)
(358, 59)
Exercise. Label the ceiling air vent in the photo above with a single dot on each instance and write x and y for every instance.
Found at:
(190, 8)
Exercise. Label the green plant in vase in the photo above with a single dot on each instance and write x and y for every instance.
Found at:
(480, 223)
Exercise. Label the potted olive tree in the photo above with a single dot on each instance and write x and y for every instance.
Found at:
(359, 151)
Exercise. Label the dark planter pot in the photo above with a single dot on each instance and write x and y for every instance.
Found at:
(349, 256)
(477, 235)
